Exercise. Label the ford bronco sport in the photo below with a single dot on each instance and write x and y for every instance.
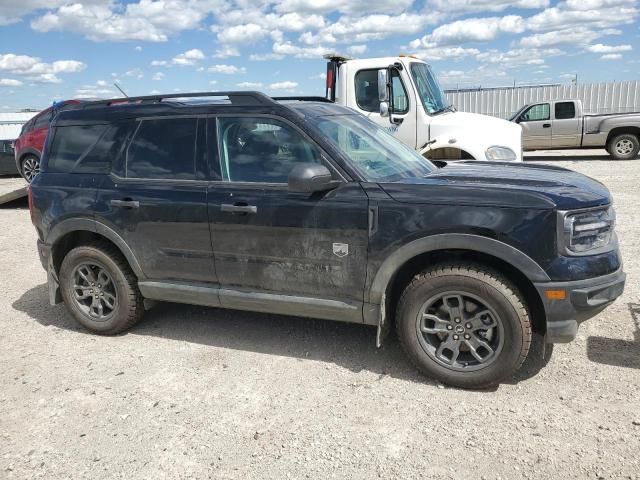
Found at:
(306, 208)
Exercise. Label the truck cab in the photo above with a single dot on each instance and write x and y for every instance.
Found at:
(403, 95)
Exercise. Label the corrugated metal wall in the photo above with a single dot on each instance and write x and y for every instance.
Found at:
(612, 97)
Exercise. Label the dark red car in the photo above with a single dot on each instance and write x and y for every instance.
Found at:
(28, 147)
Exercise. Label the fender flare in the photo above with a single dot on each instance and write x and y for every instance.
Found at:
(90, 225)
(451, 241)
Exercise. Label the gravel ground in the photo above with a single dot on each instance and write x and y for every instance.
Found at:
(207, 393)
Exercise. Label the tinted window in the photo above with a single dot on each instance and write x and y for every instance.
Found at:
(43, 119)
(565, 110)
(82, 149)
(163, 149)
(261, 149)
(536, 113)
(367, 92)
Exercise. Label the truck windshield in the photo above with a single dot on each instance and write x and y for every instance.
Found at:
(376, 154)
(431, 94)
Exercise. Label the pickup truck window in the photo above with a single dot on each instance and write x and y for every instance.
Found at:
(367, 92)
(261, 150)
(565, 110)
(376, 154)
(536, 113)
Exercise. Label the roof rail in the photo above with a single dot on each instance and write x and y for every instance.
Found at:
(304, 99)
(236, 98)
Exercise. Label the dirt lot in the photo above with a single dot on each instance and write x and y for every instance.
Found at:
(206, 393)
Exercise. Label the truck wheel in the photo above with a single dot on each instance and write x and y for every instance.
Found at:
(29, 167)
(466, 326)
(624, 147)
(100, 290)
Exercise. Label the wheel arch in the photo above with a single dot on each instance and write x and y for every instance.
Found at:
(24, 153)
(400, 267)
(74, 232)
(622, 130)
(448, 153)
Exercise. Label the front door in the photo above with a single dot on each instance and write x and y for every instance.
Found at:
(403, 114)
(158, 204)
(267, 240)
(536, 127)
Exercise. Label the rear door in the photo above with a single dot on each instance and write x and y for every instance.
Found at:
(365, 89)
(269, 240)
(536, 126)
(156, 199)
(565, 128)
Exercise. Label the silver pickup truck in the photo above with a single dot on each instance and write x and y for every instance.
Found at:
(559, 124)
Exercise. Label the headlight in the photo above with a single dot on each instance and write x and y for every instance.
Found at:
(585, 232)
(501, 154)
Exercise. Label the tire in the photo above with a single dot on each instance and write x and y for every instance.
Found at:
(624, 147)
(121, 291)
(29, 167)
(486, 298)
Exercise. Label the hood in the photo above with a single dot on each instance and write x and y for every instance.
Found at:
(471, 129)
(502, 184)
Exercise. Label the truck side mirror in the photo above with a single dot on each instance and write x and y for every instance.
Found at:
(384, 109)
(383, 80)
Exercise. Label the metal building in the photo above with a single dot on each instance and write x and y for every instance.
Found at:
(611, 97)
(11, 123)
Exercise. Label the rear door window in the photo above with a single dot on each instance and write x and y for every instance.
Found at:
(163, 149)
(565, 110)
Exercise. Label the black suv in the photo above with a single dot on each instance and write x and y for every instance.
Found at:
(302, 207)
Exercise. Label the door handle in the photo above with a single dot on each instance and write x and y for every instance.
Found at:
(238, 208)
(546, 125)
(126, 203)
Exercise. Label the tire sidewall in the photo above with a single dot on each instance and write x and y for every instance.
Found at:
(632, 155)
(23, 161)
(88, 254)
(508, 359)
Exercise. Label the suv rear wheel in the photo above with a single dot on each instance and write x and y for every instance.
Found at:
(100, 290)
(29, 167)
(466, 326)
(624, 147)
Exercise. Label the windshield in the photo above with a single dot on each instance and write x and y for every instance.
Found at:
(376, 154)
(431, 94)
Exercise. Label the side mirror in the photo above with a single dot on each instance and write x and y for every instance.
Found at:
(311, 178)
(384, 109)
(383, 80)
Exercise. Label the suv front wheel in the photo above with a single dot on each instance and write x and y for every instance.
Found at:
(466, 326)
(99, 289)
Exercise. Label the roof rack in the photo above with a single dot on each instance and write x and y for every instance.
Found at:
(236, 98)
(304, 99)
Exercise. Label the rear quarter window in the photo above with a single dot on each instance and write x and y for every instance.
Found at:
(85, 148)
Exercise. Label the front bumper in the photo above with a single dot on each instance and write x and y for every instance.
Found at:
(584, 299)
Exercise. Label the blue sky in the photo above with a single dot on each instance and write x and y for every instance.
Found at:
(53, 49)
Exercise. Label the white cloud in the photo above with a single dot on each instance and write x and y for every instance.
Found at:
(138, 48)
(146, 20)
(260, 57)
(595, 14)
(357, 49)
(573, 36)
(600, 48)
(34, 69)
(286, 85)
(344, 6)
(474, 6)
(226, 52)
(239, 34)
(9, 82)
(611, 56)
(159, 63)
(518, 57)
(288, 49)
(249, 85)
(158, 76)
(226, 69)
(320, 76)
(471, 30)
(190, 57)
(134, 73)
(99, 90)
(445, 53)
